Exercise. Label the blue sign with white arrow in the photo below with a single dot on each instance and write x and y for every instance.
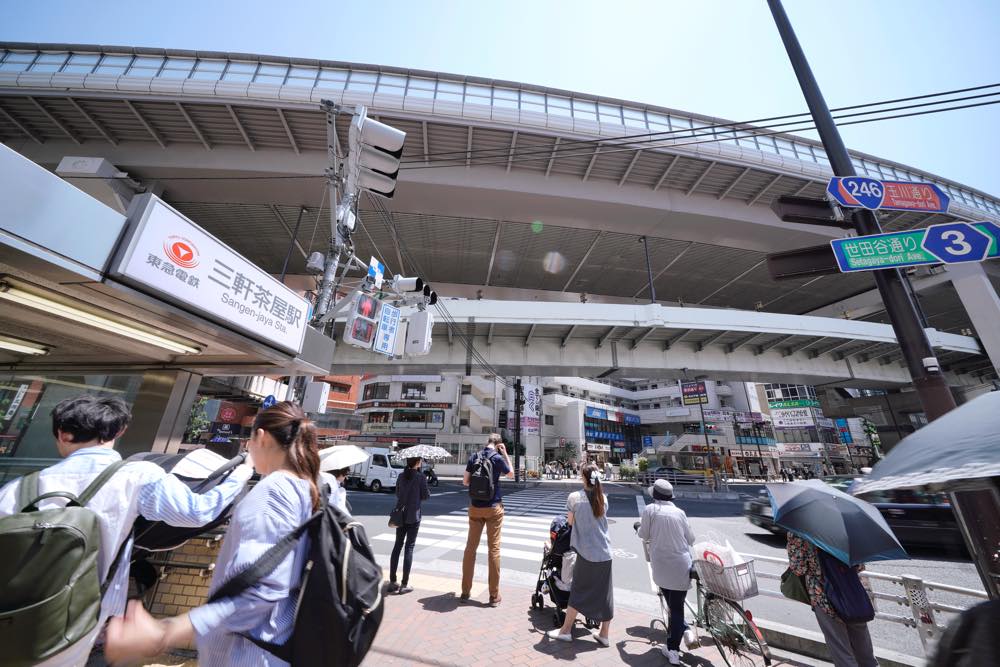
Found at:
(269, 401)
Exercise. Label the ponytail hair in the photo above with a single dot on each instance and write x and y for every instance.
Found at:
(288, 425)
(592, 485)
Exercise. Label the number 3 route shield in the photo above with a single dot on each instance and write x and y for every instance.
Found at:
(861, 192)
(955, 242)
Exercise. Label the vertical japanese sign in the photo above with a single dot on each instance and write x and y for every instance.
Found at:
(171, 257)
(694, 393)
(16, 402)
(388, 326)
(531, 417)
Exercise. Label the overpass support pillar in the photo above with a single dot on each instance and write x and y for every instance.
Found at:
(981, 303)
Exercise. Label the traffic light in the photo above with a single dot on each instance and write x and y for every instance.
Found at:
(362, 322)
(373, 159)
(430, 296)
(418, 333)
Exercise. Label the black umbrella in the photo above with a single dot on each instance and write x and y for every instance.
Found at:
(845, 527)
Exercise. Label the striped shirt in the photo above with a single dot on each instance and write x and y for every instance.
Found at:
(138, 488)
(276, 506)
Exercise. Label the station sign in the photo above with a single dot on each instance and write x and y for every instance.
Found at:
(873, 194)
(948, 243)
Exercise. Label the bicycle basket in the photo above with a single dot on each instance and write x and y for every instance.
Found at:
(735, 582)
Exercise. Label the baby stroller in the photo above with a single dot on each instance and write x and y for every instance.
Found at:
(550, 571)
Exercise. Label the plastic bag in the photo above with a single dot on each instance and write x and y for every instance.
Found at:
(566, 572)
(722, 554)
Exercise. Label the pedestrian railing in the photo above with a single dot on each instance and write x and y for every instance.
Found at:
(907, 601)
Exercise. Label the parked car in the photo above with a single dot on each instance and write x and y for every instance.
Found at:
(918, 519)
(673, 475)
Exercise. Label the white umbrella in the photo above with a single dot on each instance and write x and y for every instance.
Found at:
(423, 452)
(341, 456)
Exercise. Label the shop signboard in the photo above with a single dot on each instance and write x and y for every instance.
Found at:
(792, 418)
(531, 418)
(812, 450)
(374, 427)
(694, 393)
(16, 402)
(844, 429)
(174, 259)
(596, 413)
(647, 441)
(717, 415)
(364, 405)
(825, 422)
(631, 419)
(800, 403)
(595, 447)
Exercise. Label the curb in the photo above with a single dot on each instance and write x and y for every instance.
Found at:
(813, 645)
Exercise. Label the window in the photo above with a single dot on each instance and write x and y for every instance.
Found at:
(272, 74)
(49, 62)
(338, 388)
(145, 67)
(550, 420)
(239, 72)
(656, 406)
(211, 70)
(113, 65)
(379, 417)
(414, 391)
(379, 460)
(437, 389)
(654, 386)
(80, 63)
(377, 391)
(17, 62)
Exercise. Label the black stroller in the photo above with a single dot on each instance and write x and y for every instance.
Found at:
(550, 571)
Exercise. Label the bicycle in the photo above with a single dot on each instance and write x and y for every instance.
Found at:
(717, 609)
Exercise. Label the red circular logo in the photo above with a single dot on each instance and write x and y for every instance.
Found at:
(227, 414)
(181, 251)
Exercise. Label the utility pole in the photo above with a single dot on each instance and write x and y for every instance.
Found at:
(982, 536)
(518, 402)
(649, 270)
(338, 239)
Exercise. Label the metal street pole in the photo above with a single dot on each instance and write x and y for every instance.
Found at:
(518, 400)
(649, 270)
(982, 537)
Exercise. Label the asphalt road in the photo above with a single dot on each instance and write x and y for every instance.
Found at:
(442, 536)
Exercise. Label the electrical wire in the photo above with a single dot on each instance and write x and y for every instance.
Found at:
(735, 125)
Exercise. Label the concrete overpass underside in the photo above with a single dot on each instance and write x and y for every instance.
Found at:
(598, 340)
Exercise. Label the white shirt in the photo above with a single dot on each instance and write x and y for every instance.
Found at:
(338, 494)
(138, 488)
(666, 528)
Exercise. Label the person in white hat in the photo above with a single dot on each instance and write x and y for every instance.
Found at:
(665, 527)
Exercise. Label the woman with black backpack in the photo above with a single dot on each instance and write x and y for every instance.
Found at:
(411, 491)
(284, 451)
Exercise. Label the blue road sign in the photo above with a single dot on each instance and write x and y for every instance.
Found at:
(873, 194)
(376, 270)
(955, 242)
(269, 401)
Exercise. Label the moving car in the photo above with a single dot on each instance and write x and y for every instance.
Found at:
(673, 475)
(918, 519)
(378, 472)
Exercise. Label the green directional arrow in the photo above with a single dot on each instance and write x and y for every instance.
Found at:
(992, 230)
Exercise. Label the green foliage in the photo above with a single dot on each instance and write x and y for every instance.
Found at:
(643, 464)
(628, 472)
(198, 422)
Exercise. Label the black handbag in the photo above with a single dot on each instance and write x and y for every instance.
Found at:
(396, 516)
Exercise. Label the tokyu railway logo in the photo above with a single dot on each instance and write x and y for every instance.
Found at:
(181, 251)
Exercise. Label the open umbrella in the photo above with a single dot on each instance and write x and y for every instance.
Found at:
(959, 450)
(845, 527)
(341, 456)
(422, 451)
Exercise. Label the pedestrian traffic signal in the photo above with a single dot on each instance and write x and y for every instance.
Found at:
(373, 158)
(362, 321)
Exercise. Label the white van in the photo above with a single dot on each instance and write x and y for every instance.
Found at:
(378, 472)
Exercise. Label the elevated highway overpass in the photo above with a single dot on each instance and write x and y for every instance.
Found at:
(654, 341)
(505, 186)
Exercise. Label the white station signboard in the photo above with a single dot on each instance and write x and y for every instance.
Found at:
(792, 418)
(171, 256)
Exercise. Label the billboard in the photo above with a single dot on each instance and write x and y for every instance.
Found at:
(792, 418)
(694, 393)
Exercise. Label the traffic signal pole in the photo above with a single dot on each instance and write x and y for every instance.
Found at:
(982, 538)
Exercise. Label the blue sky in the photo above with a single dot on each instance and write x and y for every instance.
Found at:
(717, 57)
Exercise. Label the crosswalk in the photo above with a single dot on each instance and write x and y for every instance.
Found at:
(527, 515)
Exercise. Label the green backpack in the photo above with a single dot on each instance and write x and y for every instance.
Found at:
(50, 587)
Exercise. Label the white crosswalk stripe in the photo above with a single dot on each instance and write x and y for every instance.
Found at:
(527, 515)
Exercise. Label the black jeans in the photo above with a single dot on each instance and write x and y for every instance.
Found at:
(409, 533)
(675, 603)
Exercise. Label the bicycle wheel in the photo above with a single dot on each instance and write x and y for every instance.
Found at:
(736, 635)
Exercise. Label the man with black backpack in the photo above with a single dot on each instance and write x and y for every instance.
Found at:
(66, 533)
(482, 476)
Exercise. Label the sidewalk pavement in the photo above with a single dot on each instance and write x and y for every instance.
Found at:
(431, 628)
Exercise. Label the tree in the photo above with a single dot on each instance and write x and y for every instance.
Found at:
(567, 452)
(871, 430)
(643, 464)
(198, 422)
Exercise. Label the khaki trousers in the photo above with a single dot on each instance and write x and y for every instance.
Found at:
(492, 519)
